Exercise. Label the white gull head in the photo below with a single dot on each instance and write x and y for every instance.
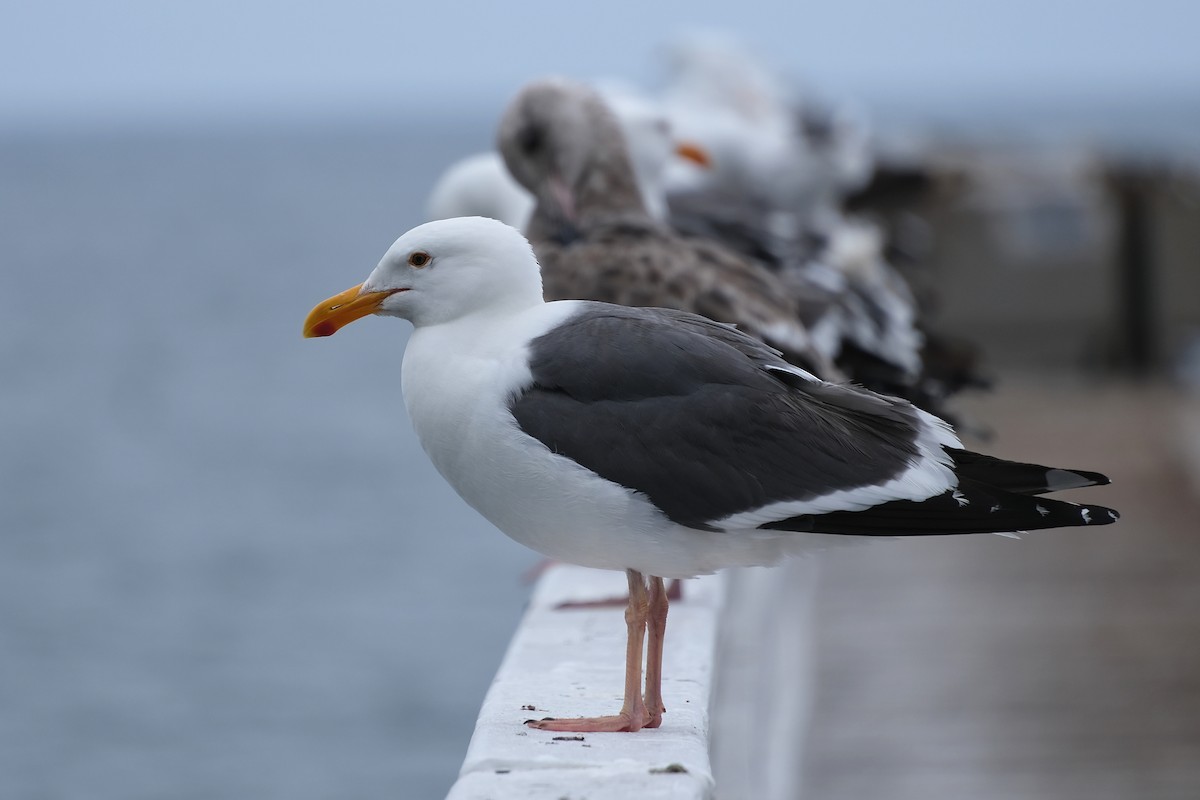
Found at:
(440, 272)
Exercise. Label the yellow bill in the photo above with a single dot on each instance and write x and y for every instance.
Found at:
(340, 310)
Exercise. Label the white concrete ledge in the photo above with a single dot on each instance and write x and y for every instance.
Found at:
(765, 681)
(570, 662)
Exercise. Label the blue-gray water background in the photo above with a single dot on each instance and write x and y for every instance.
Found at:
(226, 568)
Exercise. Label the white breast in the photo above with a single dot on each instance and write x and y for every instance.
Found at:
(457, 380)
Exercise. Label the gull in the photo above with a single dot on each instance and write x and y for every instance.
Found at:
(480, 184)
(658, 442)
(596, 239)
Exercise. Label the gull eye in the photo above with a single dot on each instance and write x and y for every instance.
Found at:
(530, 140)
(419, 259)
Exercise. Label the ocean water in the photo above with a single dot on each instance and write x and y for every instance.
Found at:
(226, 568)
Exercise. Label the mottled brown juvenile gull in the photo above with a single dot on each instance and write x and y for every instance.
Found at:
(596, 241)
(481, 186)
(658, 442)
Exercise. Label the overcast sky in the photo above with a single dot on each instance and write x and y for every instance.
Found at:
(89, 57)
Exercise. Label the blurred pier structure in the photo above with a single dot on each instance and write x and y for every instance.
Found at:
(1065, 665)
(1051, 258)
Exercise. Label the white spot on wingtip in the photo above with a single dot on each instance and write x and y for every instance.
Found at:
(994, 509)
(1059, 479)
(1042, 510)
(1087, 517)
(1113, 515)
(960, 498)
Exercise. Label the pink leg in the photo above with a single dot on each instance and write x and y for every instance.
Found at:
(656, 628)
(633, 714)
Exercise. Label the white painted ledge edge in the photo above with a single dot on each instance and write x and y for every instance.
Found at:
(570, 662)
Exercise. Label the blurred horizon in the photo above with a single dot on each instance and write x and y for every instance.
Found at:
(1096, 71)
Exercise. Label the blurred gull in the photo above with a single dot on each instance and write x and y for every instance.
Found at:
(782, 168)
(596, 239)
(738, 111)
(480, 184)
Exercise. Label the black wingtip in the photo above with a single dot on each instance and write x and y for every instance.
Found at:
(1098, 515)
(1020, 477)
(970, 508)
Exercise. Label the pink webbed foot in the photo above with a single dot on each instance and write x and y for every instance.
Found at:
(646, 620)
(616, 723)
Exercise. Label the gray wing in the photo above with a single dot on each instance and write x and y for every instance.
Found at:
(701, 419)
